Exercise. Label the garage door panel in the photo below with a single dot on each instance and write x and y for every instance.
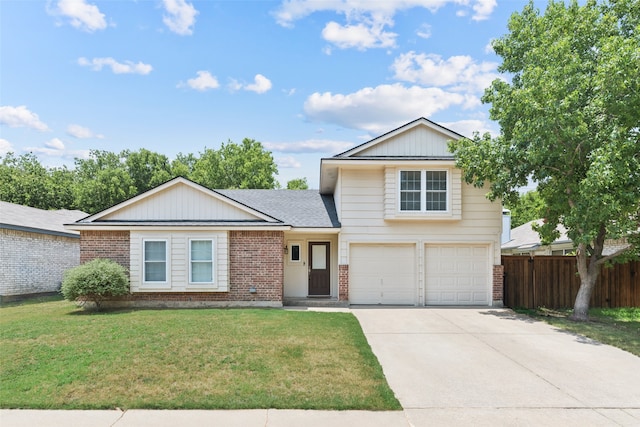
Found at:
(456, 274)
(382, 274)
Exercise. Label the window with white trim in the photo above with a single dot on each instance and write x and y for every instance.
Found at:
(424, 191)
(155, 261)
(201, 261)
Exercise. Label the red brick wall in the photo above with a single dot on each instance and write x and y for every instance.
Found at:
(343, 282)
(112, 245)
(256, 260)
(498, 282)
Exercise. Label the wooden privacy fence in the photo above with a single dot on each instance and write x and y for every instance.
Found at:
(553, 282)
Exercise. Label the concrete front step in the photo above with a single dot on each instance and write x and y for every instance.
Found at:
(314, 302)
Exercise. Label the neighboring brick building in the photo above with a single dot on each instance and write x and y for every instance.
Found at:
(35, 249)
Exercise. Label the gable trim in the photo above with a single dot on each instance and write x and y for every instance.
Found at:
(418, 122)
(172, 183)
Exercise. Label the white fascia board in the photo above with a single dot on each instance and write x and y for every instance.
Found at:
(105, 227)
(311, 230)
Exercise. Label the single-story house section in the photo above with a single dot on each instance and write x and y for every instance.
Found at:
(35, 249)
(392, 223)
(523, 240)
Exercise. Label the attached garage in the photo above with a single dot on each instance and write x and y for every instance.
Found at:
(457, 275)
(382, 274)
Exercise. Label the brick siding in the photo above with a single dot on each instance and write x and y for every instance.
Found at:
(343, 282)
(35, 262)
(113, 245)
(498, 284)
(255, 261)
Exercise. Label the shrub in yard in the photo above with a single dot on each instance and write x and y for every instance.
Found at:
(95, 281)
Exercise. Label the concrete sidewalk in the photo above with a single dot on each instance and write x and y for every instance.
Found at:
(447, 367)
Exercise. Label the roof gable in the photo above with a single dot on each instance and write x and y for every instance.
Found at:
(180, 200)
(420, 138)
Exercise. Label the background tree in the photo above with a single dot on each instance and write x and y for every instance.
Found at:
(569, 119)
(103, 181)
(147, 168)
(298, 184)
(246, 165)
(526, 207)
(24, 181)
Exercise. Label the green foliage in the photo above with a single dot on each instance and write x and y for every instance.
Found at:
(246, 165)
(95, 281)
(526, 207)
(569, 120)
(106, 178)
(298, 184)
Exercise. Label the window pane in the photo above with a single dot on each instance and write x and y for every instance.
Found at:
(319, 257)
(436, 201)
(436, 180)
(295, 252)
(155, 251)
(201, 250)
(410, 180)
(155, 272)
(202, 272)
(410, 201)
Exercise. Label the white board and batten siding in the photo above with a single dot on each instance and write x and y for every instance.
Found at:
(180, 202)
(419, 141)
(178, 261)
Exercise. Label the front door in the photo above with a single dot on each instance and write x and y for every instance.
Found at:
(319, 278)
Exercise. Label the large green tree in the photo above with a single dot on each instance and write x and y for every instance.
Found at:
(569, 119)
(245, 165)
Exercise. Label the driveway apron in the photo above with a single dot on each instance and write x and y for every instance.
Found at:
(491, 365)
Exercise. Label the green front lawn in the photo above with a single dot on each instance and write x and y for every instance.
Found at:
(54, 355)
(619, 327)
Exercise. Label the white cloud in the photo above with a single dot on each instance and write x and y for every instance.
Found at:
(5, 147)
(468, 127)
(366, 21)
(180, 17)
(83, 16)
(310, 146)
(126, 67)
(204, 81)
(381, 108)
(360, 36)
(424, 31)
(56, 148)
(21, 117)
(288, 162)
(483, 9)
(81, 132)
(459, 73)
(261, 84)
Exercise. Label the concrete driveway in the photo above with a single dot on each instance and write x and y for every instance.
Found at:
(467, 366)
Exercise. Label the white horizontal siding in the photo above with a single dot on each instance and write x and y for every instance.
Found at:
(180, 202)
(363, 221)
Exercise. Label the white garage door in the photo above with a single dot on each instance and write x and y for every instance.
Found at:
(457, 275)
(382, 274)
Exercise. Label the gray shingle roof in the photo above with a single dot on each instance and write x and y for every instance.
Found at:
(25, 218)
(298, 208)
(524, 236)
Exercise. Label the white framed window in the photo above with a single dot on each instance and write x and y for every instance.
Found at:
(201, 261)
(154, 263)
(295, 252)
(424, 191)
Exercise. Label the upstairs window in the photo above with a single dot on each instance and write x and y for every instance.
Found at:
(423, 191)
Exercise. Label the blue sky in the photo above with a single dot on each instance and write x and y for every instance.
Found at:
(308, 79)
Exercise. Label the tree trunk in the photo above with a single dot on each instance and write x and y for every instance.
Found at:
(588, 270)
